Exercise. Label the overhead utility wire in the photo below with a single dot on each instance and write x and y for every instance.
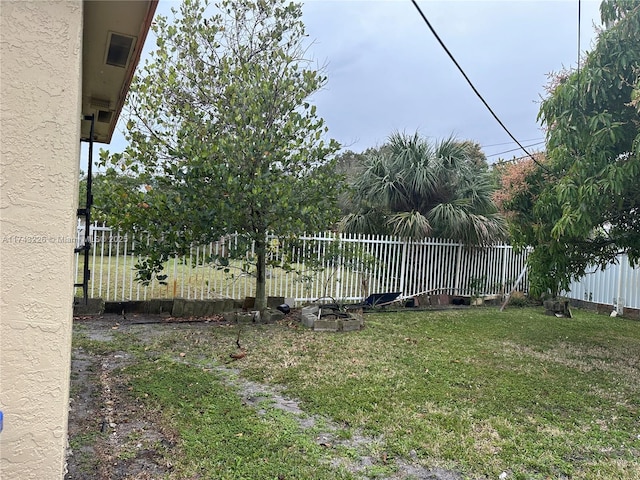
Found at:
(473, 87)
(509, 143)
(579, 15)
(514, 149)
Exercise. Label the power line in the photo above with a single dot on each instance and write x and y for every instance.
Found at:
(579, 15)
(509, 143)
(515, 150)
(475, 90)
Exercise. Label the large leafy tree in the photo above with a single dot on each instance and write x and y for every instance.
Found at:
(223, 135)
(413, 188)
(108, 190)
(581, 207)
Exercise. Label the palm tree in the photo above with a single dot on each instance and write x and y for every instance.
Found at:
(415, 189)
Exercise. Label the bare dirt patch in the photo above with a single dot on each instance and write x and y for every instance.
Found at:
(111, 436)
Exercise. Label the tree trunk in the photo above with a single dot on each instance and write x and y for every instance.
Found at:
(261, 290)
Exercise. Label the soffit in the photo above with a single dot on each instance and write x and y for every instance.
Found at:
(110, 28)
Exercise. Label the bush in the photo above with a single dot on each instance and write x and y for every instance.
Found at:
(519, 299)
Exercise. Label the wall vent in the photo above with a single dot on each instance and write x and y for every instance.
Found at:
(119, 49)
(104, 116)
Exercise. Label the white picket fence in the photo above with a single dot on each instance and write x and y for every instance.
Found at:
(429, 265)
(351, 267)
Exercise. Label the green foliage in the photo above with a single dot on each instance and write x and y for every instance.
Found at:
(477, 285)
(414, 189)
(113, 196)
(350, 163)
(581, 208)
(520, 300)
(222, 135)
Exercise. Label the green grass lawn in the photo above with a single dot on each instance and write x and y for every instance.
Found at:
(476, 391)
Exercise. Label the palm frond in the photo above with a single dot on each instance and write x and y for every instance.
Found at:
(453, 154)
(363, 222)
(426, 189)
(449, 219)
(410, 225)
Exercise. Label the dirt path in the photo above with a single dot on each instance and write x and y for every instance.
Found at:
(110, 435)
(114, 437)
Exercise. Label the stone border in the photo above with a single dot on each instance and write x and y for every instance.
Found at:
(310, 316)
(605, 309)
(177, 307)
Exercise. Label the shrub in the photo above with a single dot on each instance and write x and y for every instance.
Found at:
(519, 299)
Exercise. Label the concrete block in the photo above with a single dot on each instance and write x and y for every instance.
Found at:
(219, 306)
(198, 308)
(229, 304)
(245, 317)
(308, 319)
(312, 309)
(188, 308)
(182, 307)
(160, 306)
(632, 313)
(94, 306)
(423, 300)
(235, 304)
(349, 325)
(274, 302)
(443, 299)
(178, 307)
(358, 315)
(309, 314)
(327, 325)
(270, 316)
(206, 308)
(248, 303)
(492, 299)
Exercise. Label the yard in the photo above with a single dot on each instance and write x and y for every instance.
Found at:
(470, 393)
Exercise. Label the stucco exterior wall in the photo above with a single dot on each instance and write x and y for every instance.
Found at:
(40, 83)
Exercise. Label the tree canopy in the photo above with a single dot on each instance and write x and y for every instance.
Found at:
(414, 189)
(222, 133)
(109, 189)
(581, 206)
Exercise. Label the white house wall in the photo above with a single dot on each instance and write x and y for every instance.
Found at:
(41, 51)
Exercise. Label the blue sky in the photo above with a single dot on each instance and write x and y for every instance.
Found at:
(387, 72)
